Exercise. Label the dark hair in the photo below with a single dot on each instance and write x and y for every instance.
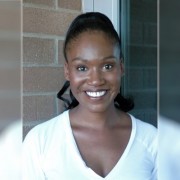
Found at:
(92, 21)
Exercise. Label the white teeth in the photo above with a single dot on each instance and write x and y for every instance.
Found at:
(95, 94)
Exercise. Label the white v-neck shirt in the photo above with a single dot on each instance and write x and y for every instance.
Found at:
(50, 152)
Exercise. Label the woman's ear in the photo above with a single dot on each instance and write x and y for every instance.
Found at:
(66, 71)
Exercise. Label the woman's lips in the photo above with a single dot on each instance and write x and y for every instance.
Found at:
(96, 94)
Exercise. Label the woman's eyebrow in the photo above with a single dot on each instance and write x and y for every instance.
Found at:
(104, 58)
(78, 59)
(109, 57)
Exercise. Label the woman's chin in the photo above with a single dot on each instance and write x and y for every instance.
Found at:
(99, 108)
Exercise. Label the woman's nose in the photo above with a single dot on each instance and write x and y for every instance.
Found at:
(96, 78)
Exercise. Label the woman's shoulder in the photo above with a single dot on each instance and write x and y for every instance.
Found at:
(49, 128)
(146, 133)
(144, 126)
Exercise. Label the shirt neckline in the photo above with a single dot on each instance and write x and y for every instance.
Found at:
(88, 171)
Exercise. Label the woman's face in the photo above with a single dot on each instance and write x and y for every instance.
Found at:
(94, 70)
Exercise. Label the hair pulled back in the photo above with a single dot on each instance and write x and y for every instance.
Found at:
(92, 21)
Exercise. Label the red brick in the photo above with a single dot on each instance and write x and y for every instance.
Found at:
(42, 79)
(38, 51)
(37, 109)
(41, 2)
(70, 4)
(46, 21)
(61, 58)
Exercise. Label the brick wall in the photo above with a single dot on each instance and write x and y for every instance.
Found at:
(44, 26)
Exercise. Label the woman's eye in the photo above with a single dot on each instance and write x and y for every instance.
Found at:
(108, 66)
(81, 68)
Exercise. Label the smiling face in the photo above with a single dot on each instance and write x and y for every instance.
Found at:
(94, 70)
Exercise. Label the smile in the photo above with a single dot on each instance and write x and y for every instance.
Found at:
(96, 94)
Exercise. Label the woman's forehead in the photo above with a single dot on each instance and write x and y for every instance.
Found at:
(92, 47)
(88, 35)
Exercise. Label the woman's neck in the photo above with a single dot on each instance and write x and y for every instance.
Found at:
(105, 119)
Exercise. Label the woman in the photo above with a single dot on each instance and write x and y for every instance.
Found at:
(95, 138)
